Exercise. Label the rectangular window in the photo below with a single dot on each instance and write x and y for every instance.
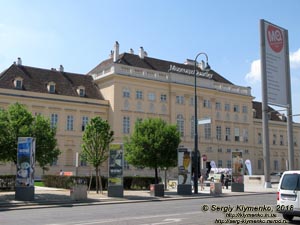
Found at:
(236, 108)
(259, 138)
(220, 163)
(245, 109)
(85, 121)
(259, 164)
(218, 132)
(151, 96)
(126, 125)
(237, 134)
(218, 106)
(18, 84)
(245, 135)
(206, 103)
(180, 99)
(227, 107)
(207, 131)
(70, 122)
(228, 164)
(126, 93)
(274, 139)
(52, 88)
(281, 140)
(227, 134)
(220, 150)
(163, 98)
(276, 165)
(53, 120)
(139, 95)
(228, 150)
(192, 101)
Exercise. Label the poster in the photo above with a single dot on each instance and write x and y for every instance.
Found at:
(25, 162)
(184, 166)
(115, 165)
(237, 167)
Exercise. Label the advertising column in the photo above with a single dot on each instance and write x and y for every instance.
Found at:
(25, 169)
(115, 179)
(237, 184)
(184, 186)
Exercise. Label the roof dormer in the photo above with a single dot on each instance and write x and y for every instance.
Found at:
(81, 91)
(18, 83)
(51, 87)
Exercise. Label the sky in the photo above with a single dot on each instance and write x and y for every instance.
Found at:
(79, 34)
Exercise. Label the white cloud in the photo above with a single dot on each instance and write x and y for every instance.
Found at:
(295, 59)
(254, 75)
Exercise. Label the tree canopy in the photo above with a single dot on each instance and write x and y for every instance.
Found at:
(153, 144)
(96, 139)
(16, 122)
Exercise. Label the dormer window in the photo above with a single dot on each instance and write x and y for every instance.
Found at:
(18, 82)
(81, 91)
(51, 87)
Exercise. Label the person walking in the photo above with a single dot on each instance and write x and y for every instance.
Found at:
(201, 181)
(222, 179)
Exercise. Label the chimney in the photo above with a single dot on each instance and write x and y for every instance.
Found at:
(131, 51)
(142, 53)
(61, 68)
(19, 62)
(116, 51)
(111, 55)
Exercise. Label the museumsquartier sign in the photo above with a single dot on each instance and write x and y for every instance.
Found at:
(174, 68)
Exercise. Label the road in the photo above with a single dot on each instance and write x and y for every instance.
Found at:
(185, 212)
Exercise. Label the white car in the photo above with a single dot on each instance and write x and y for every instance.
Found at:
(288, 195)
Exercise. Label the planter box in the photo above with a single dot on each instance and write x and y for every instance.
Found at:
(157, 190)
(78, 192)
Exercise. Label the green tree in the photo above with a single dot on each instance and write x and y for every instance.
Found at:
(16, 122)
(46, 143)
(153, 144)
(96, 139)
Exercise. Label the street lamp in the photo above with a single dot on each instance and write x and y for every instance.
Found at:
(205, 68)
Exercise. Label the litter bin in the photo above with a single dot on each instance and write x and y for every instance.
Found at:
(215, 188)
(78, 192)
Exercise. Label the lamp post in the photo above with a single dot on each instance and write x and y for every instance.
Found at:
(205, 68)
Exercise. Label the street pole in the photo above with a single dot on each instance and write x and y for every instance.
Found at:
(206, 68)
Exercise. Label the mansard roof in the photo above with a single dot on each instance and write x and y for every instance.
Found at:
(152, 64)
(275, 115)
(37, 79)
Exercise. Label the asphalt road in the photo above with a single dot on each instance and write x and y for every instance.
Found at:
(252, 208)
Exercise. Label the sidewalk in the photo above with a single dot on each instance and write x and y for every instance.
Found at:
(54, 197)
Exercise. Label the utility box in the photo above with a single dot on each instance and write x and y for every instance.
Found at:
(78, 192)
(215, 188)
(157, 190)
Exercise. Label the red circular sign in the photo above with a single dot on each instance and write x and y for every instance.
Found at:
(275, 38)
(204, 157)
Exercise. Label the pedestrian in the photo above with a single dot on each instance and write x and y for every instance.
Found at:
(201, 181)
(226, 181)
(61, 172)
(222, 179)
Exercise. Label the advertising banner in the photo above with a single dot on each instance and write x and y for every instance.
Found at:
(237, 167)
(115, 165)
(184, 166)
(25, 162)
(275, 58)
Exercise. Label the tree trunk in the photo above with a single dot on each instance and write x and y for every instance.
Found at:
(97, 180)
(100, 182)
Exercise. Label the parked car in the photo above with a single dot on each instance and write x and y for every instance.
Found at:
(288, 195)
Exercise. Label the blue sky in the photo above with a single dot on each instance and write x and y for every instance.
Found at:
(80, 34)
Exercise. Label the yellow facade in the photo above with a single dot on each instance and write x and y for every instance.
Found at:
(133, 92)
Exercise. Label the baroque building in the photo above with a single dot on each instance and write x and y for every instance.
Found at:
(128, 87)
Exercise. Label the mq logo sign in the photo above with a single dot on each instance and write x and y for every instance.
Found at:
(275, 38)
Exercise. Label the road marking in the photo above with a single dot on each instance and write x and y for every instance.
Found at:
(89, 222)
(166, 221)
